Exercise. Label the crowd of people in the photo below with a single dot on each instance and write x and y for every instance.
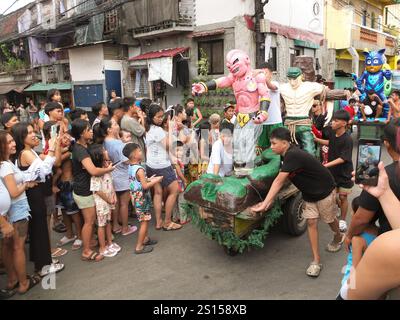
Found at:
(137, 157)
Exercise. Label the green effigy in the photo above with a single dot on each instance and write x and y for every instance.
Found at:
(225, 198)
(233, 194)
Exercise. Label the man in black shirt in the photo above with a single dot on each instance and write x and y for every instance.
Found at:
(317, 187)
(375, 103)
(340, 160)
(370, 208)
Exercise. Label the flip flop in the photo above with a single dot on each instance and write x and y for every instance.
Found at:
(145, 249)
(6, 294)
(92, 257)
(64, 240)
(33, 281)
(77, 245)
(150, 242)
(172, 227)
(59, 253)
(131, 230)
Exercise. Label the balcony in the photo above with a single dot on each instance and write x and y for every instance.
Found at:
(364, 37)
(167, 23)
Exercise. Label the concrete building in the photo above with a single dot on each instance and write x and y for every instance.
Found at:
(296, 28)
(352, 26)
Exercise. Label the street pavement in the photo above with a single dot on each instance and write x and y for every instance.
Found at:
(187, 265)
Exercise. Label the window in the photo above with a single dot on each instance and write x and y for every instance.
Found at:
(111, 21)
(294, 53)
(373, 20)
(215, 55)
(364, 18)
(273, 59)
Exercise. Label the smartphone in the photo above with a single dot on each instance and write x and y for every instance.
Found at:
(55, 129)
(368, 158)
(115, 163)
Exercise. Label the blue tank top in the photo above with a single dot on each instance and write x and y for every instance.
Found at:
(368, 239)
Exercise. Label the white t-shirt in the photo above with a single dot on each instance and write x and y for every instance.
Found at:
(156, 156)
(5, 202)
(274, 111)
(8, 168)
(221, 157)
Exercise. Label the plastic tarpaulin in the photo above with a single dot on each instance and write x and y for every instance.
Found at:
(161, 69)
(143, 13)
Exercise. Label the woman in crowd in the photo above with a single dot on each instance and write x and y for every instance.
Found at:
(109, 129)
(158, 163)
(18, 215)
(36, 169)
(83, 169)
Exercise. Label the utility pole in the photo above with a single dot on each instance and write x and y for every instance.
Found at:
(260, 37)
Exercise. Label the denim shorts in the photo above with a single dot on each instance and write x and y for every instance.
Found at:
(65, 198)
(168, 173)
(19, 211)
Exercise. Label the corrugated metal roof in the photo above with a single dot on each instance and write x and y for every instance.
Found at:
(159, 54)
(47, 86)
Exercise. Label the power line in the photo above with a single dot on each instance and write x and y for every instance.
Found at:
(9, 7)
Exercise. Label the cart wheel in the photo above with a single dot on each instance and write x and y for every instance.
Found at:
(293, 221)
(231, 251)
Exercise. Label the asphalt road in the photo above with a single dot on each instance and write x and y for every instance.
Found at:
(186, 265)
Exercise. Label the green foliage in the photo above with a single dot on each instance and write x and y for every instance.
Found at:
(203, 64)
(228, 238)
(11, 63)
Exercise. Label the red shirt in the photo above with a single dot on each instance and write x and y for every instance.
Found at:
(351, 111)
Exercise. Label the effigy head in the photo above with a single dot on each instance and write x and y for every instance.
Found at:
(374, 60)
(237, 62)
(295, 76)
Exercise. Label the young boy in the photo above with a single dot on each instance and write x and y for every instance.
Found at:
(100, 110)
(125, 136)
(394, 103)
(179, 214)
(9, 120)
(374, 103)
(66, 203)
(340, 161)
(79, 114)
(215, 121)
(317, 186)
(221, 161)
(140, 195)
(229, 114)
(351, 109)
(358, 246)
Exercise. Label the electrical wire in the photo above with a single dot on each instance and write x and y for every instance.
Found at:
(10, 7)
(106, 6)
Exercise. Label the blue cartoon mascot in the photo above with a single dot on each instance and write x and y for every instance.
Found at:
(374, 78)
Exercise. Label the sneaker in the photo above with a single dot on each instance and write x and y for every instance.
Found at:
(115, 247)
(342, 226)
(109, 253)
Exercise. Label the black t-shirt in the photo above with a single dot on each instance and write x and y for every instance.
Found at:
(373, 103)
(371, 203)
(341, 147)
(313, 180)
(81, 185)
(319, 121)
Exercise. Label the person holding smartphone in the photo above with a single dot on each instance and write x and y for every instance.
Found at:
(370, 208)
(109, 130)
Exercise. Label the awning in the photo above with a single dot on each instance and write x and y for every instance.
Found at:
(45, 87)
(159, 54)
(6, 88)
(159, 63)
(209, 33)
